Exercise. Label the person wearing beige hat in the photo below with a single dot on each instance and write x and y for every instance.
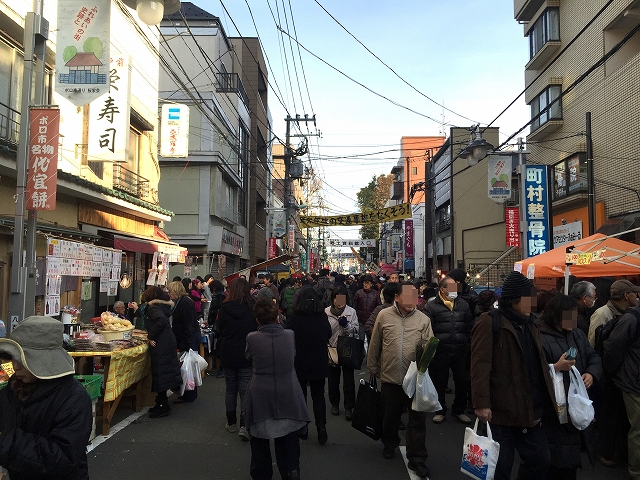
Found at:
(624, 295)
(45, 413)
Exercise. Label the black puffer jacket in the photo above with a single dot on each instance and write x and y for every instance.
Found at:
(565, 440)
(185, 324)
(46, 436)
(313, 332)
(235, 320)
(165, 368)
(451, 327)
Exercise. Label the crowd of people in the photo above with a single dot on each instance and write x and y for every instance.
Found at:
(505, 350)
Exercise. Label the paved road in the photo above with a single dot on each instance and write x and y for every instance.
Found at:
(192, 443)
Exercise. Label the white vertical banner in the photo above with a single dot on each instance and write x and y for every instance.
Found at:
(499, 178)
(82, 50)
(109, 118)
(174, 130)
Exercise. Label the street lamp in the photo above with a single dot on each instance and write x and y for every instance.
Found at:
(152, 11)
(477, 148)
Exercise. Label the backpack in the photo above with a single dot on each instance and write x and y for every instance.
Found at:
(603, 332)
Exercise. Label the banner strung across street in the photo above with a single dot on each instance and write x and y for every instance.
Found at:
(382, 215)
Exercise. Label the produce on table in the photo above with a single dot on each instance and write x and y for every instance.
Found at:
(114, 323)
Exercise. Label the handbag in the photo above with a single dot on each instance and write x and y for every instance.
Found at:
(333, 355)
(581, 410)
(367, 412)
(479, 454)
(350, 352)
(561, 399)
(426, 397)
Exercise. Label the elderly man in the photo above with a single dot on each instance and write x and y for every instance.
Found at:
(120, 310)
(624, 295)
(396, 332)
(585, 294)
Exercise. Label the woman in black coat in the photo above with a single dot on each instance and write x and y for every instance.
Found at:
(165, 368)
(235, 321)
(558, 333)
(311, 326)
(185, 327)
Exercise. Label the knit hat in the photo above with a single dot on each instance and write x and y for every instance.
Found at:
(514, 285)
(458, 274)
(264, 293)
(36, 343)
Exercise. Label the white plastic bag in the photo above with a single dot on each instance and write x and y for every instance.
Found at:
(479, 454)
(426, 396)
(192, 365)
(580, 407)
(409, 382)
(561, 398)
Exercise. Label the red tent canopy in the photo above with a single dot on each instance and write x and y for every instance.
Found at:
(620, 259)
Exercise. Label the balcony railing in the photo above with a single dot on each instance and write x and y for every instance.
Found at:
(9, 126)
(231, 83)
(130, 182)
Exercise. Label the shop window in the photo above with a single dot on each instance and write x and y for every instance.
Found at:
(546, 106)
(545, 29)
(570, 176)
(414, 170)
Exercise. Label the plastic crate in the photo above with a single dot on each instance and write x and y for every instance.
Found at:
(92, 383)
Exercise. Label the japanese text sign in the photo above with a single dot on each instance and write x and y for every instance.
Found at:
(499, 178)
(512, 222)
(109, 117)
(408, 238)
(382, 215)
(341, 242)
(44, 130)
(174, 130)
(82, 53)
(537, 209)
(273, 248)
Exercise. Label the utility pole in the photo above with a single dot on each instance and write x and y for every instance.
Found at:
(23, 270)
(591, 205)
(289, 154)
(522, 171)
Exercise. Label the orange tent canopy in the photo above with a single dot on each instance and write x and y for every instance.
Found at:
(620, 259)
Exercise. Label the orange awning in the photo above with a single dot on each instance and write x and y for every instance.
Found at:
(620, 259)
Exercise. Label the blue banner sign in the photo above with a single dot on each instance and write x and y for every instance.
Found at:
(537, 210)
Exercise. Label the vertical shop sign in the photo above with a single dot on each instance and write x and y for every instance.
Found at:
(273, 248)
(279, 223)
(174, 130)
(44, 131)
(512, 221)
(537, 209)
(292, 238)
(82, 53)
(109, 118)
(408, 238)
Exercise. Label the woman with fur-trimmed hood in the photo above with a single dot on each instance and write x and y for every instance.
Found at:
(165, 368)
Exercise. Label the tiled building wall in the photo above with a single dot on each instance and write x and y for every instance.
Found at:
(611, 97)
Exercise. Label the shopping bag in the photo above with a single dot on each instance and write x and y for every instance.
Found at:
(581, 410)
(561, 398)
(479, 454)
(426, 396)
(191, 366)
(350, 351)
(409, 381)
(367, 413)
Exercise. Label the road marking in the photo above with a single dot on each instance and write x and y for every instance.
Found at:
(116, 428)
(412, 475)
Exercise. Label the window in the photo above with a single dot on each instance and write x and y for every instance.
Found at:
(570, 176)
(545, 29)
(414, 170)
(546, 106)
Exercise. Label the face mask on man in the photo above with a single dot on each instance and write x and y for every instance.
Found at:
(453, 295)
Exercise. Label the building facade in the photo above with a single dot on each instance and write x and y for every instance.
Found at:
(584, 58)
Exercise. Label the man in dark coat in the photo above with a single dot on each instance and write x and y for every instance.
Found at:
(465, 291)
(451, 322)
(366, 300)
(510, 381)
(45, 414)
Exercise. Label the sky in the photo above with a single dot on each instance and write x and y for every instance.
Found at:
(466, 56)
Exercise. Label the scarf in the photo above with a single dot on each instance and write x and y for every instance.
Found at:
(448, 303)
(337, 311)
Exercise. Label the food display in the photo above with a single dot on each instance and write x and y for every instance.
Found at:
(114, 323)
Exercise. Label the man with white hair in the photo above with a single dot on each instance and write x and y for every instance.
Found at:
(585, 293)
(119, 310)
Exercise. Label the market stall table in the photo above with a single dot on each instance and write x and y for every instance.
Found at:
(122, 369)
